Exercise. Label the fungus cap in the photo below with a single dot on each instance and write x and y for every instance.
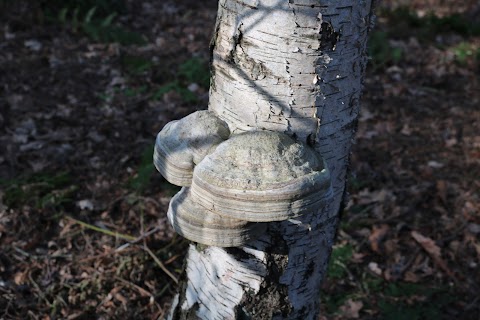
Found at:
(261, 176)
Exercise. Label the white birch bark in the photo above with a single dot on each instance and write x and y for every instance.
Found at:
(293, 66)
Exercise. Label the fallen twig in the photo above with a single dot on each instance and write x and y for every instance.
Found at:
(138, 239)
(160, 264)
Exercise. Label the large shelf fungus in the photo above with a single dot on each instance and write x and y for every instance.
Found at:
(183, 143)
(237, 183)
(261, 176)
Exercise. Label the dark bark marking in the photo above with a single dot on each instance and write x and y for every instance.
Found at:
(328, 37)
(311, 139)
(310, 267)
(246, 5)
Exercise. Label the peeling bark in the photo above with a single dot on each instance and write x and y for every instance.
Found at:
(292, 66)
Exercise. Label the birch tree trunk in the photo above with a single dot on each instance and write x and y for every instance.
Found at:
(296, 67)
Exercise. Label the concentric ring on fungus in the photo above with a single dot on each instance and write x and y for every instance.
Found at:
(203, 226)
(261, 176)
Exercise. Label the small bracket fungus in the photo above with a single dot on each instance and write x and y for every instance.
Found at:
(183, 143)
(261, 176)
(198, 224)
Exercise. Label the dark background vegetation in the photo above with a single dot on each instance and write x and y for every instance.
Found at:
(86, 85)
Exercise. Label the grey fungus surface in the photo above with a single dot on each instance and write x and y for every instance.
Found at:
(233, 184)
(198, 224)
(184, 143)
(261, 176)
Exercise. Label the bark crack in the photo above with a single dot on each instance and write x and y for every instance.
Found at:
(239, 56)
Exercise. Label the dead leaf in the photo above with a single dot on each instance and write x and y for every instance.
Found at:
(433, 251)
(442, 190)
(358, 257)
(477, 248)
(377, 236)
(33, 44)
(373, 266)
(366, 196)
(451, 142)
(20, 277)
(85, 204)
(118, 296)
(469, 211)
(435, 164)
(473, 228)
(427, 244)
(350, 309)
(410, 277)
(380, 196)
(406, 130)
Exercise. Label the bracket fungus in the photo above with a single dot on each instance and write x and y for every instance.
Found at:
(183, 143)
(232, 185)
(261, 176)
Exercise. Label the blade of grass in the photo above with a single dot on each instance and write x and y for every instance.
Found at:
(104, 231)
(89, 15)
(108, 20)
